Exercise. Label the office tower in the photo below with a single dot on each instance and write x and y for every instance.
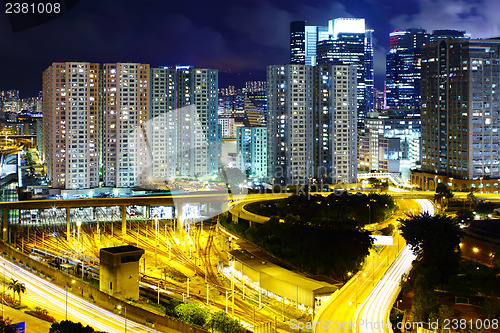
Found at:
(403, 66)
(252, 151)
(403, 69)
(163, 124)
(312, 112)
(297, 42)
(460, 108)
(303, 41)
(71, 124)
(125, 114)
(350, 43)
(413, 38)
(447, 33)
(336, 130)
(199, 133)
(378, 100)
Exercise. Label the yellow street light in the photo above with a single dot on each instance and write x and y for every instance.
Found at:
(475, 249)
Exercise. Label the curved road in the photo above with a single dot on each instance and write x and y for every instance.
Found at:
(359, 301)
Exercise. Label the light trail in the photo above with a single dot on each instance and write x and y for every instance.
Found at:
(373, 314)
(78, 309)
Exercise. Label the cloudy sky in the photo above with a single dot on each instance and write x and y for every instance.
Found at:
(237, 37)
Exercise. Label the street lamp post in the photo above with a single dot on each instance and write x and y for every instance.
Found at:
(72, 282)
(125, 309)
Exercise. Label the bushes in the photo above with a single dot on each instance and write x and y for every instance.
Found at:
(218, 321)
(222, 322)
(192, 314)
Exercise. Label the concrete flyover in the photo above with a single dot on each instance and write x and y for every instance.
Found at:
(218, 201)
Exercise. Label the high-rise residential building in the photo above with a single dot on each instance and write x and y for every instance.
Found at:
(336, 124)
(461, 109)
(125, 115)
(350, 43)
(252, 151)
(163, 124)
(227, 127)
(199, 132)
(290, 123)
(312, 124)
(71, 124)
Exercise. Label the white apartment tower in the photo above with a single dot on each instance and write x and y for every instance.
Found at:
(312, 124)
(336, 124)
(71, 124)
(290, 125)
(163, 124)
(126, 112)
(199, 133)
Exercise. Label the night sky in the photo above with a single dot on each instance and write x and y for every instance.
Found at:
(239, 38)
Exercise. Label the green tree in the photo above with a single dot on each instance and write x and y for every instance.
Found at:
(443, 195)
(471, 200)
(464, 216)
(17, 287)
(222, 322)
(192, 314)
(485, 208)
(444, 312)
(435, 240)
(67, 326)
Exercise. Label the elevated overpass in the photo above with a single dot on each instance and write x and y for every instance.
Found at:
(216, 202)
(390, 176)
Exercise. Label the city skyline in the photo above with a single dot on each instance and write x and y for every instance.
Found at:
(237, 39)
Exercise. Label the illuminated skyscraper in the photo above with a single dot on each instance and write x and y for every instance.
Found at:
(163, 141)
(312, 124)
(199, 135)
(461, 108)
(350, 43)
(71, 124)
(126, 112)
(403, 66)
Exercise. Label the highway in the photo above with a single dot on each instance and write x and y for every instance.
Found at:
(348, 306)
(53, 298)
(373, 314)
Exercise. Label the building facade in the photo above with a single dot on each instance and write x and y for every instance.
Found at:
(350, 43)
(163, 140)
(460, 108)
(71, 124)
(252, 151)
(312, 124)
(125, 115)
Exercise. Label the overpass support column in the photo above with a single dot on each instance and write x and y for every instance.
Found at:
(124, 220)
(178, 213)
(5, 224)
(68, 220)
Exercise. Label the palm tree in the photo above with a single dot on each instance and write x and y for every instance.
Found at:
(17, 287)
